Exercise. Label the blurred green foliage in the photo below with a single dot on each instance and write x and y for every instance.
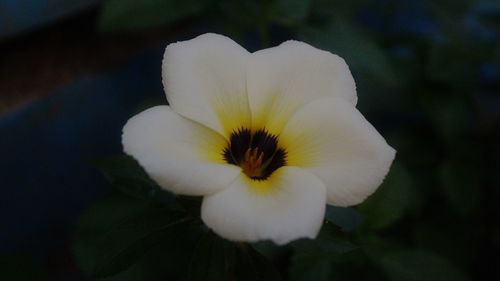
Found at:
(428, 77)
(136, 15)
(21, 267)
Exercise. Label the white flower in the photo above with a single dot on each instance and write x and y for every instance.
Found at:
(267, 138)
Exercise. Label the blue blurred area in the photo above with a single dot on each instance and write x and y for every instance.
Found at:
(405, 17)
(476, 27)
(47, 146)
(23, 15)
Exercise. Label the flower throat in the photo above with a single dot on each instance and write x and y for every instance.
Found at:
(257, 153)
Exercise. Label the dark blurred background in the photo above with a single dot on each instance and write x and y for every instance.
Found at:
(428, 78)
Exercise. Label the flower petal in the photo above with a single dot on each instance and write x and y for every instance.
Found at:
(281, 79)
(293, 207)
(331, 139)
(180, 155)
(205, 80)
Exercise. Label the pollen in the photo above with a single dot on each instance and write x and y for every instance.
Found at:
(256, 152)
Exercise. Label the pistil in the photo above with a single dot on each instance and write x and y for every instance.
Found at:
(252, 162)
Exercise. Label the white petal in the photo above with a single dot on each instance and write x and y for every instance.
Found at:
(205, 80)
(287, 206)
(281, 79)
(180, 155)
(331, 139)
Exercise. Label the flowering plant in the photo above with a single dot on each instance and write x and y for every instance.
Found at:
(266, 138)
(225, 183)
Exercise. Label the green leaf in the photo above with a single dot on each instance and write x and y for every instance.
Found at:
(217, 259)
(450, 115)
(21, 267)
(312, 259)
(348, 219)
(116, 232)
(122, 238)
(268, 248)
(237, 22)
(391, 201)
(139, 14)
(456, 62)
(308, 268)
(208, 262)
(448, 238)
(325, 247)
(125, 174)
(461, 187)
(252, 266)
(290, 11)
(362, 54)
(418, 266)
(167, 260)
(326, 9)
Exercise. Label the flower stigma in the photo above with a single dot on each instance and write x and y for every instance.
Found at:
(256, 152)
